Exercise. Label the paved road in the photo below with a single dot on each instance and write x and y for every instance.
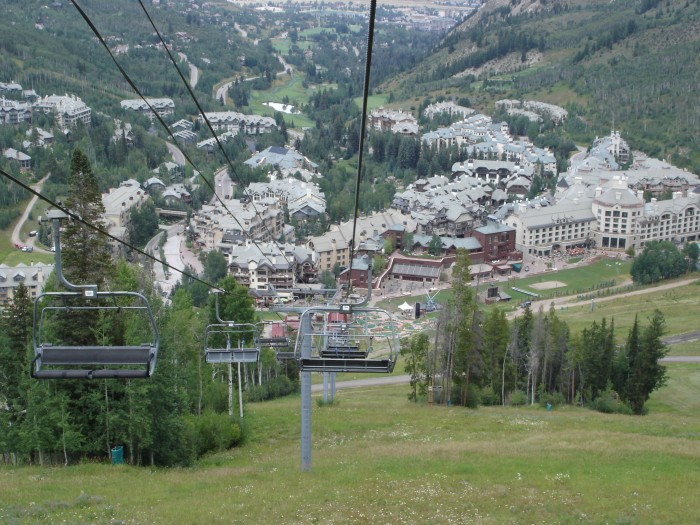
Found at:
(176, 254)
(286, 67)
(222, 90)
(194, 72)
(688, 337)
(369, 382)
(178, 156)
(25, 214)
(242, 31)
(678, 359)
(224, 186)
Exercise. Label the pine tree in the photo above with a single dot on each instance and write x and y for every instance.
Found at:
(15, 333)
(646, 374)
(84, 251)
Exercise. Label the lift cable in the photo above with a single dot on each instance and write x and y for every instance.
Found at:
(208, 123)
(363, 125)
(160, 119)
(76, 217)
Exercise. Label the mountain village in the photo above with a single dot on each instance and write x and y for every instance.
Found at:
(609, 198)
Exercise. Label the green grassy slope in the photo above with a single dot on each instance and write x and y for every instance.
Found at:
(378, 458)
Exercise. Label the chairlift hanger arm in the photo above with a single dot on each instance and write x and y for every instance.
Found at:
(55, 216)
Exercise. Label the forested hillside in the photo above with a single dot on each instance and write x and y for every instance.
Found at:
(627, 64)
(52, 50)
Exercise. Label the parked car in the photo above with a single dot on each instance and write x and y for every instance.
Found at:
(33, 233)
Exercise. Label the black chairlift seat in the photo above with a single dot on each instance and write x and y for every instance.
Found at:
(50, 355)
(92, 361)
(343, 352)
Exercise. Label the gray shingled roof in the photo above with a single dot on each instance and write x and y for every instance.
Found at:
(416, 270)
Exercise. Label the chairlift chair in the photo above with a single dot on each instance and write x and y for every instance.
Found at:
(282, 345)
(344, 337)
(352, 347)
(239, 351)
(57, 359)
(218, 337)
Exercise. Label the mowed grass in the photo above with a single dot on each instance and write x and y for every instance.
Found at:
(579, 279)
(12, 256)
(377, 458)
(679, 305)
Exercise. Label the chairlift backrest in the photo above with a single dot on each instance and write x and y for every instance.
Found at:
(65, 359)
(230, 342)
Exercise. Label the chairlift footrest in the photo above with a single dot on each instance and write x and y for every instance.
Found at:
(315, 364)
(100, 373)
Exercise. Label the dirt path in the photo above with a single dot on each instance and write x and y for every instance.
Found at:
(570, 300)
(18, 227)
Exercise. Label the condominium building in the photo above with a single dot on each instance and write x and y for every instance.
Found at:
(163, 107)
(216, 227)
(13, 112)
(119, 203)
(67, 109)
(32, 276)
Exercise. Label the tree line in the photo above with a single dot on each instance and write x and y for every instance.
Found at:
(482, 358)
(176, 416)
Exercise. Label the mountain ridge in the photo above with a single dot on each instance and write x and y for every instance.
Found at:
(622, 64)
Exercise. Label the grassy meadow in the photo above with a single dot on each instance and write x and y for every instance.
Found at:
(378, 458)
(12, 256)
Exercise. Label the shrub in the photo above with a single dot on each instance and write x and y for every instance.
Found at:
(489, 397)
(215, 432)
(518, 398)
(549, 398)
(473, 396)
(174, 443)
(609, 402)
(277, 387)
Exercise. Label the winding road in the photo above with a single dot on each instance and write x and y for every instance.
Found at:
(194, 71)
(25, 214)
(176, 153)
(223, 184)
